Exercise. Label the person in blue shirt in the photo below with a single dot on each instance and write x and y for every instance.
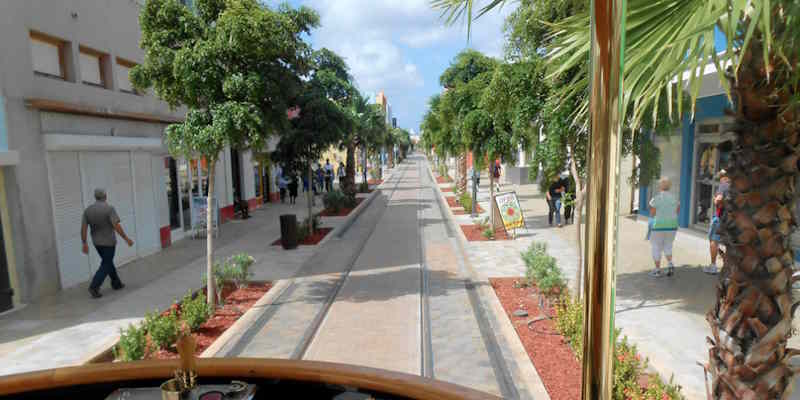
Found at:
(664, 209)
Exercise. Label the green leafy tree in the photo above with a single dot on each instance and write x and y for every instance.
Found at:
(320, 124)
(232, 64)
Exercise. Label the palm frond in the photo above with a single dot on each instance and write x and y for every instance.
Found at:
(453, 11)
(669, 44)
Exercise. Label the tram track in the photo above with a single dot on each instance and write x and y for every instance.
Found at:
(313, 329)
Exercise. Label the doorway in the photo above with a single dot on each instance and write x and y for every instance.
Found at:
(236, 174)
(6, 291)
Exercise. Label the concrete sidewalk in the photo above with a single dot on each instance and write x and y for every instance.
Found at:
(69, 327)
(664, 317)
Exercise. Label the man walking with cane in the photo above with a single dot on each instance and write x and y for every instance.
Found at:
(104, 222)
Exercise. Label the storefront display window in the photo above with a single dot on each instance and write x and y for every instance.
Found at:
(713, 148)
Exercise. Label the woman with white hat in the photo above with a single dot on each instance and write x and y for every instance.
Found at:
(664, 209)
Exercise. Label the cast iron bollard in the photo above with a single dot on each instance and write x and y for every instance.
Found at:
(289, 231)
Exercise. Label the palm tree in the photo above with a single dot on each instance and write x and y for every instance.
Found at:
(367, 130)
(668, 42)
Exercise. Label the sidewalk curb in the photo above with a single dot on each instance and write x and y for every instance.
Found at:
(247, 320)
(528, 375)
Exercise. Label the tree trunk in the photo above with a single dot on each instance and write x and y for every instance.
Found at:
(462, 171)
(491, 194)
(633, 189)
(310, 198)
(210, 282)
(577, 211)
(364, 167)
(349, 184)
(752, 317)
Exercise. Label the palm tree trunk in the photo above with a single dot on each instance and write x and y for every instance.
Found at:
(752, 317)
(348, 186)
(462, 171)
(364, 166)
(210, 282)
(576, 212)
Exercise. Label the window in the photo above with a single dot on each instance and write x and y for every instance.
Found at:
(92, 71)
(47, 53)
(123, 76)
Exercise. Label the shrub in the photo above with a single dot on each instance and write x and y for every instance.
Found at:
(628, 364)
(466, 201)
(336, 201)
(363, 187)
(442, 170)
(195, 311)
(488, 233)
(163, 329)
(542, 269)
(241, 263)
(569, 322)
(304, 230)
(481, 223)
(132, 344)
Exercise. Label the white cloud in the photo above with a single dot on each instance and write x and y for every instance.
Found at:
(379, 40)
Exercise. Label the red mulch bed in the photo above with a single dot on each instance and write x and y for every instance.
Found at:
(447, 189)
(342, 212)
(556, 364)
(374, 181)
(475, 234)
(237, 302)
(317, 237)
(443, 179)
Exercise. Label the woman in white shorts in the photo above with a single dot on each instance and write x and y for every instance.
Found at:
(664, 212)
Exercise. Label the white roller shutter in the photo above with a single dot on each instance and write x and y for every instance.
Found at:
(65, 188)
(122, 199)
(147, 240)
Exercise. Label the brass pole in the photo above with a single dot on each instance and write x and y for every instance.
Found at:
(607, 55)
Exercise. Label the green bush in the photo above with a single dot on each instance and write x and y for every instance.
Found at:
(241, 264)
(466, 201)
(163, 329)
(304, 230)
(628, 364)
(132, 343)
(363, 187)
(488, 233)
(481, 223)
(336, 201)
(542, 269)
(569, 322)
(195, 311)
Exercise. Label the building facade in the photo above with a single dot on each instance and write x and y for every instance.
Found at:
(693, 154)
(70, 122)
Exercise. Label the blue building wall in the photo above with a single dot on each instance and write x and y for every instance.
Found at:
(3, 126)
(707, 107)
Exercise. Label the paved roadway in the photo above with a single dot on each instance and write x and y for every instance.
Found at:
(391, 293)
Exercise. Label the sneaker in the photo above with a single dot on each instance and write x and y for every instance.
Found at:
(656, 273)
(711, 269)
(120, 286)
(670, 270)
(95, 293)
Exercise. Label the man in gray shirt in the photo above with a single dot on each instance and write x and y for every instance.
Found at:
(104, 222)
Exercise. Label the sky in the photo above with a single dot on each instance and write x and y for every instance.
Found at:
(400, 47)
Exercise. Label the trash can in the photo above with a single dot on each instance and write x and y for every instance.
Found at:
(289, 231)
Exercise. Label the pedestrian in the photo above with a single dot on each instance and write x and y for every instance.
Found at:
(283, 184)
(103, 220)
(320, 179)
(328, 175)
(292, 188)
(553, 195)
(569, 190)
(342, 173)
(664, 209)
(713, 230)
(305, 183)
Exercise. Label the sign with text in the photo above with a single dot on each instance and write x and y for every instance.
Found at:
(509, 210)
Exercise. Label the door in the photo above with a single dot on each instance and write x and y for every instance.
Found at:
(68, 205)
(236, 174)
(147, 234)
(111, 171)
(6, 292)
